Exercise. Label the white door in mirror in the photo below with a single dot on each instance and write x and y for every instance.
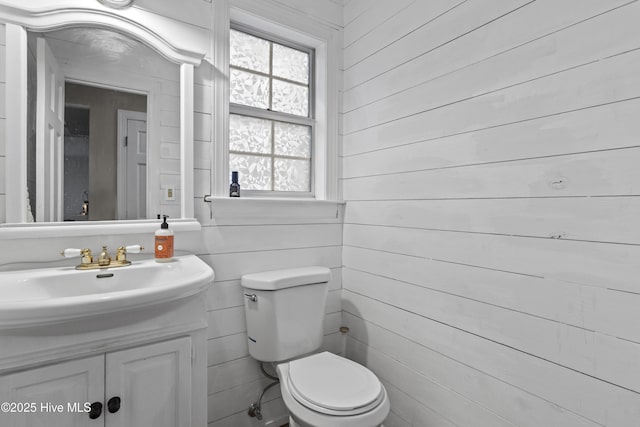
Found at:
(49, 135)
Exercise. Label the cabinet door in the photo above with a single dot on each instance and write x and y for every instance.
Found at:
(55, 394)
(153, 384)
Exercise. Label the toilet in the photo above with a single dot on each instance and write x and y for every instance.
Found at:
(285, 313)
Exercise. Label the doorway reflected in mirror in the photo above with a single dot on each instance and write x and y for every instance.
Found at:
(95, 139)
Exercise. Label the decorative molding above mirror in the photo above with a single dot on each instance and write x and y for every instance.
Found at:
(178, 42)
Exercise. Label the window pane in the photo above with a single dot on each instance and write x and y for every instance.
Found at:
(290, 98)
(249, 134)
(292, 140)
(254, 171)
(249, 52)
(249, 89)
(291, 175)
(290, 64)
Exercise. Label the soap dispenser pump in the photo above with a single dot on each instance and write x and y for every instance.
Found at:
(164, 242)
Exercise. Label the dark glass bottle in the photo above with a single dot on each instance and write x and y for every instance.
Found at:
(234, 188)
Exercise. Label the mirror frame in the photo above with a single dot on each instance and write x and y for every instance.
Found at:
(180, 43)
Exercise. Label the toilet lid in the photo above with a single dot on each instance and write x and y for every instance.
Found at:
(331, 383)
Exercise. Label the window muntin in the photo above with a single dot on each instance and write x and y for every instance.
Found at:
(271, 121)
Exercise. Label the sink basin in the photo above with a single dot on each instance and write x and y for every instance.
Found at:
(30, 297)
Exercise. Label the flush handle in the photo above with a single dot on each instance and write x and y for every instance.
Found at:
(252, 297)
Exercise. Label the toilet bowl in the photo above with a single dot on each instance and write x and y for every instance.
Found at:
(328, 390)
(285, 310)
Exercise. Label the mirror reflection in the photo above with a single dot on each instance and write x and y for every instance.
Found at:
(103, 128)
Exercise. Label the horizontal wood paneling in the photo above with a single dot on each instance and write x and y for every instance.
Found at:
(326, 11)
(489, 242)
(448, 403)
(587, 397)
(608, 266)
(575, 46)
(606, 173)
(229, 239)
(600, 310)
(554, 94)
(599, 128)
(232, 266)
(363, 16)
(465, 35)
(3, 171)
(601, 356)
(513, 404)
(550, 218)
(380, 26)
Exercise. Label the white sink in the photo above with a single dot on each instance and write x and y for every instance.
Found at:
(30, 297)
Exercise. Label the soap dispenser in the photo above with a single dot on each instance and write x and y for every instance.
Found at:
(164, 242)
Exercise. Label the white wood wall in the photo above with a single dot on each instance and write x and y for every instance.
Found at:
(490, 168)
(244, 237)
(2, 123)
(237, 246)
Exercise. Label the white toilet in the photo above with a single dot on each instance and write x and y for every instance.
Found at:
(285, 313)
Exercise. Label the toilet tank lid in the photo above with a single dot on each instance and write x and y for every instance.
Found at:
(280, 279)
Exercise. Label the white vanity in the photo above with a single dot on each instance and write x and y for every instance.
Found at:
(113, 347)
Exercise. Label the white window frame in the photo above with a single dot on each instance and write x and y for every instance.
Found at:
(286, 24)
(271, 115)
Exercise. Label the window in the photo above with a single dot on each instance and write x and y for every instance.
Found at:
(271, 123)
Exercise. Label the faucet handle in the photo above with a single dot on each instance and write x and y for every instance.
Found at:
(121, 255)
(134, 249)
(73, 252)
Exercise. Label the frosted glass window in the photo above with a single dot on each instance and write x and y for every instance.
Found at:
(249, 89)
(291, 175)
(249, 134)
(292, 140)
(290, 64)
(249, 52)
(290, 98)
(270, 155)
(254, 173)
(271, 123)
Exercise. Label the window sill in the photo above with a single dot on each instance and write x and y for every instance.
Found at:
(253, 210)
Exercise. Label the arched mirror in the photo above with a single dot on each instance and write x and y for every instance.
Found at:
(102, 128)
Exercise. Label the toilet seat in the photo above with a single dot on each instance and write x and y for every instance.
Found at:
(333, 385)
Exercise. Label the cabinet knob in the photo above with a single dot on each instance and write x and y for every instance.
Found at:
(96, 410)
(113, 404)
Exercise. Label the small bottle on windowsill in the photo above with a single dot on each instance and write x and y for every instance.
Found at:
(234, 188)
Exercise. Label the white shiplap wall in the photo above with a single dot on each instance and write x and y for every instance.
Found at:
(245, 236)
(237, 238)
(2, 122)
(490, 169)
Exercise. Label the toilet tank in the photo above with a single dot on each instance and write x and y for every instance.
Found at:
(285, 311)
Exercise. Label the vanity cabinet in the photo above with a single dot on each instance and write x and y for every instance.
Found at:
(154, 358)
(73, 382)
(148, 385)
